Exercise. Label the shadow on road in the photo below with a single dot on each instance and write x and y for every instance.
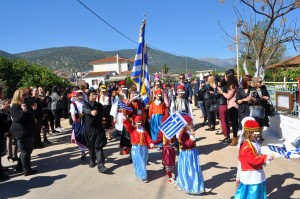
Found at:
(275, 187)
(18, 188)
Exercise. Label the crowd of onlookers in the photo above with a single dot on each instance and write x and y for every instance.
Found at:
(33, 113)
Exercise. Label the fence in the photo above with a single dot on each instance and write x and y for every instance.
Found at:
(273, 87)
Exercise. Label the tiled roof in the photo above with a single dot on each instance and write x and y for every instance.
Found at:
(112, 59)
(291, 62)
(97, 74)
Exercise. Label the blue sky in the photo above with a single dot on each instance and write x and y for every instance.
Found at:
(187, 28)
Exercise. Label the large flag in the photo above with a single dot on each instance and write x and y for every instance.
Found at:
(172, 125)
(140, 76)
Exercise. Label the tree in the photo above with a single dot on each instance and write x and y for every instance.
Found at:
(19, 73)
(267, 37)
(164, 69)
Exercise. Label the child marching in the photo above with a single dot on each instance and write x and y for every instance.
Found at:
(190, 178)
(140, 141)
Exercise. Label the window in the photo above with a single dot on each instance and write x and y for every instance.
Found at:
(95, 81)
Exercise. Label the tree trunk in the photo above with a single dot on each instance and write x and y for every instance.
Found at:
(245, 67)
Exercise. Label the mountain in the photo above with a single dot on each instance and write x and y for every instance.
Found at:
(223, 63)
(67, 58)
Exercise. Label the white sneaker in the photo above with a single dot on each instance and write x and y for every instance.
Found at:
(207, 190)
(59, 129)
(145, 181)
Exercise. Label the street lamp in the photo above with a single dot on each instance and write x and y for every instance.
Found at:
(238, 24)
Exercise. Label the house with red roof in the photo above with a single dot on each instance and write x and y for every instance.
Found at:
(109, 69)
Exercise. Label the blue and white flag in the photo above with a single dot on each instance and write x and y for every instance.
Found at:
(291, 152)
(140, 76)
(278, 148)
(282, 150)
(172, 125)
(124, 106)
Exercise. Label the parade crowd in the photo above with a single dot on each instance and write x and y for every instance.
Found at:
(33, 114)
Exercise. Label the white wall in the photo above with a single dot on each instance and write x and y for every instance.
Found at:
(106, 67)
(89, 81)
(124, 67)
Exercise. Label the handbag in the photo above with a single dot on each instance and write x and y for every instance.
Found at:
(270, 109)
(214, 107)
(257, 111)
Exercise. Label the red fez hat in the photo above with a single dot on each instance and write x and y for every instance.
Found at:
(180, 87)
(138, 119)
(251, 125)
(157, 92)
(164, 85)
(187, 118)
(121, 83)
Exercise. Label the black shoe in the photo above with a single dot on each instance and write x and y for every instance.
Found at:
(3, 177)
(210, 129)
(92, 164)
(226, 139)
(102, 168)
(219, 133)
(30, 172)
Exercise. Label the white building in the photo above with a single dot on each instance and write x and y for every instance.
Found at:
(203, 73)
(110, 69)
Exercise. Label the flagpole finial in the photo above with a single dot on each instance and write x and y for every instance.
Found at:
(144, 20)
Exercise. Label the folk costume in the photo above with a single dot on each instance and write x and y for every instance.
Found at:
(252, 177)
(76, 115)
(105, 100)
(117, 113)
(181, 104)
(140, 141)
(190, 178)
(168, 152)
(157, 110)
(94, 133)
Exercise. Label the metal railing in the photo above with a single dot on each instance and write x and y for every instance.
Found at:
(273, 87)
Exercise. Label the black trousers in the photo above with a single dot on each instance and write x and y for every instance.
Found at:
(25, 146)
(211, 116)
(234, 120)
(57, 115)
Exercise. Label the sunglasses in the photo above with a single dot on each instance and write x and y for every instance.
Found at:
(260, 82)
(181, 77)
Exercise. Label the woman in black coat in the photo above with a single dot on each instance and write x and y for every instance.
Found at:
(244, 98)
(209, 98)
(264, 96)
(23, 128)
(94, 132)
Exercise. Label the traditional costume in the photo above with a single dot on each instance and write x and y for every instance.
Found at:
(190, 178)
(94, 133)
(168, 153)
(140, 141)
(76, 114)
(157, 110)
(252, 177)
(105, 100)
(117, 113)
(181, 104)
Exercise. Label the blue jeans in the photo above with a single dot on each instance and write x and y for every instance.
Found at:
(202, 108)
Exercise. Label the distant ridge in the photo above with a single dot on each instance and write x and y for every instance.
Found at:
(66, 58)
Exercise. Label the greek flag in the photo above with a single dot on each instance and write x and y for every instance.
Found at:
(278, 148)
(295, 151)
(124, 106)
(282, 150)
(140, 76)
(172, 125)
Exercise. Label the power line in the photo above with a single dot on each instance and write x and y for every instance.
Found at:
(106, 22)
(154, 48)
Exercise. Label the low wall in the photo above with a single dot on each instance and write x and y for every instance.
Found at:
(285, 127)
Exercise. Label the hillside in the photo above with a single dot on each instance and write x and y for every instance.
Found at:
(65, 58)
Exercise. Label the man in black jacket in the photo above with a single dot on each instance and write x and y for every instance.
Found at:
(94, 132)
(188, 89)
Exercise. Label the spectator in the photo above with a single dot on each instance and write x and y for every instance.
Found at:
(23, 129)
